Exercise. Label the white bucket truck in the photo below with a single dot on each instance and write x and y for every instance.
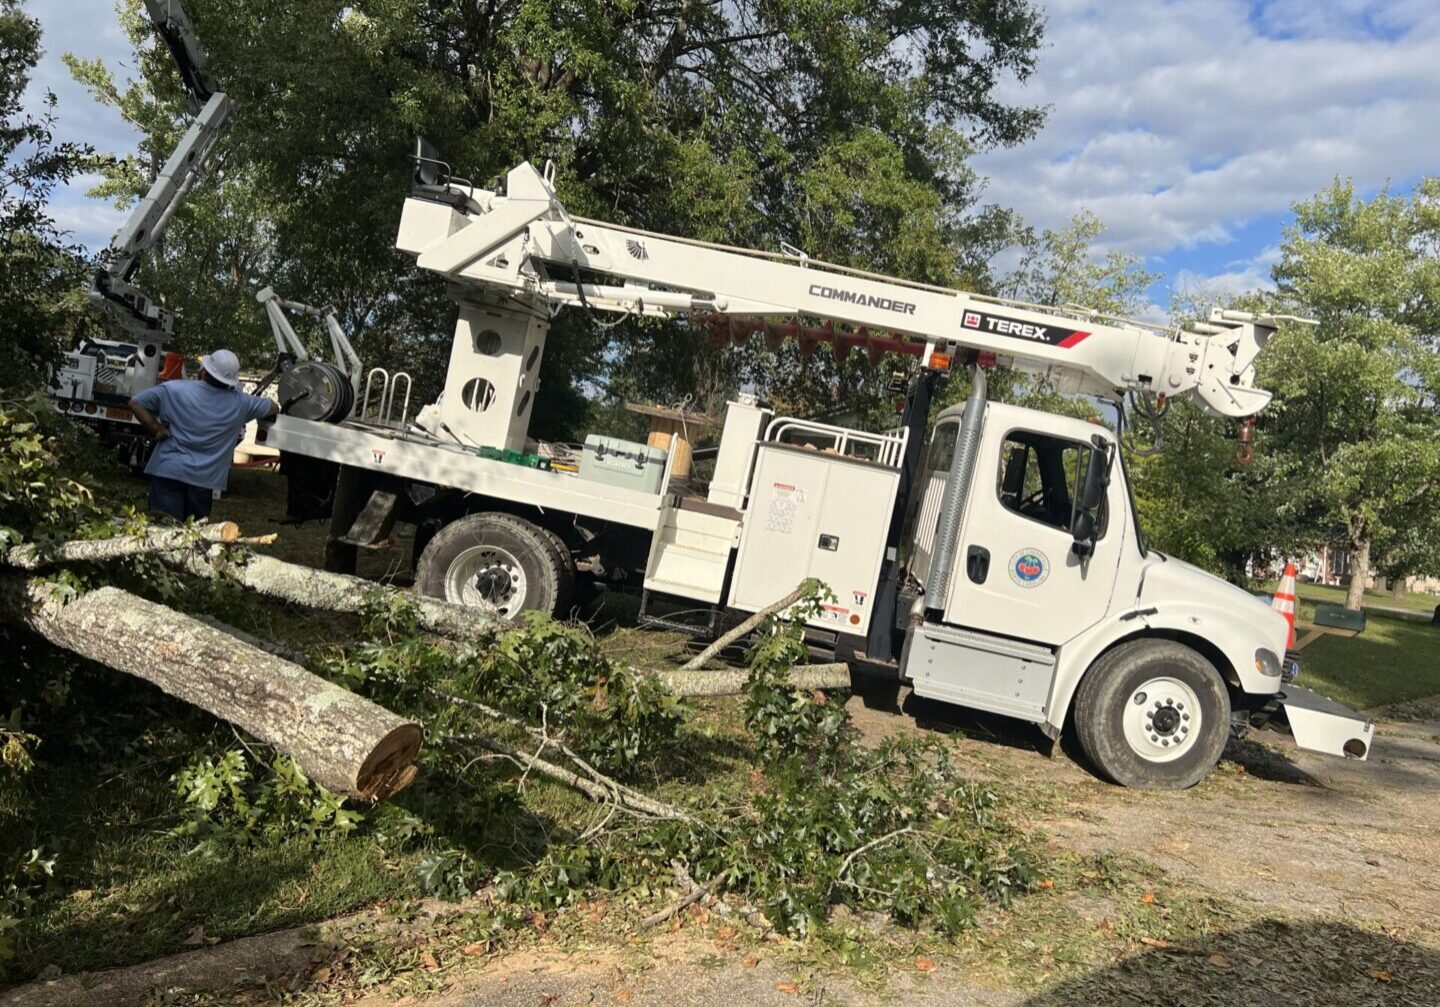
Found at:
(993, 558)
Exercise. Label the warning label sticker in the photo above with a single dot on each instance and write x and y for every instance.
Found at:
(784, 499)
(833, 613)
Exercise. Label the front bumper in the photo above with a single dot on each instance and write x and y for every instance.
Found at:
(1323, 725)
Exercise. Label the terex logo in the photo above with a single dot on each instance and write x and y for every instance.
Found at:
(1001, 326)
(864, 300)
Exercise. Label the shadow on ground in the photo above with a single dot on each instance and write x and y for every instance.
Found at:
(882, 692)
(1311, 964)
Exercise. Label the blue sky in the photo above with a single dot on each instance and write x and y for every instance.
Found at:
(1189, 126)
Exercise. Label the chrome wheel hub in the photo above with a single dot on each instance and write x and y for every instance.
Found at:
(1162, 719)
(487, 576)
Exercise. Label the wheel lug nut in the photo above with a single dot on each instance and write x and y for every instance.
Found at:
(1166, 742)
(1184, 716)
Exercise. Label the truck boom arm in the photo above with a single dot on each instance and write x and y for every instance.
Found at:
(525, 243)
(111, 286)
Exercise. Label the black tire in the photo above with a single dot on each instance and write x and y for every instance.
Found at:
(565, 594)
(497, 546)
(1111, 692)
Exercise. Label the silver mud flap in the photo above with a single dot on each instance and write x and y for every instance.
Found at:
(1323, 725)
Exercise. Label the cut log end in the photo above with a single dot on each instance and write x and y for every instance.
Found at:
(391, 767)
(227, 531)
(342, 741)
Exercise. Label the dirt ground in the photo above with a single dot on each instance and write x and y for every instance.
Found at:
(1331, 864)
(1274, 826)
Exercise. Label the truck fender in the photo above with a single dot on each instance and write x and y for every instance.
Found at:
(1227, 642)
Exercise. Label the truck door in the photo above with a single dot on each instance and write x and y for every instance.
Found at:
(1017, 574)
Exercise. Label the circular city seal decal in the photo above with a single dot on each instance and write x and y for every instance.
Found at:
(1029, 568)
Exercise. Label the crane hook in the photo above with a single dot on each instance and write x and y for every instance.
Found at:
(1245, 451)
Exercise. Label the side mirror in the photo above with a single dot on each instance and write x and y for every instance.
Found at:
(1085, 523)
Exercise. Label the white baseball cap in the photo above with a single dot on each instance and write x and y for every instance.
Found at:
(223, 366)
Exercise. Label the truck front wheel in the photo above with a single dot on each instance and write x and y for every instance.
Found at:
(1153, 714)
(492, 559)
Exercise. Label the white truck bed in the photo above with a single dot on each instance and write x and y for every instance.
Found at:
(411, 455)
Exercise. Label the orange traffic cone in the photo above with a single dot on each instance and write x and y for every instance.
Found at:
(1284, 601)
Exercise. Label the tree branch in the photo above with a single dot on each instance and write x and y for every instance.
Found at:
(726, 639)
(607, 792)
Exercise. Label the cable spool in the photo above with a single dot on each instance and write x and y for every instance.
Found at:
(315, 390)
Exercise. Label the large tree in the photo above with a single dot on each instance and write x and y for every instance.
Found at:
(839, 125)
(40, 269)
(1355, 418)
(1065, 267)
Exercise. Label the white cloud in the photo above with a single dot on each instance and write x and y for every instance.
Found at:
(1240, 276)
(90, 30)
(88, 221)
(1178, 122)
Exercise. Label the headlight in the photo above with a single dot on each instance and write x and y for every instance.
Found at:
(1266, 663)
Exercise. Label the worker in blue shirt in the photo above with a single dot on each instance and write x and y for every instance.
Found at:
(196, 425)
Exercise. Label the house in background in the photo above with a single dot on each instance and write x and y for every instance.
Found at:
(1331, 566)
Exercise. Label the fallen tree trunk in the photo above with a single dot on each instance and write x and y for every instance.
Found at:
(335, 592)
(342, 741)
(30, 556)
(732, 681)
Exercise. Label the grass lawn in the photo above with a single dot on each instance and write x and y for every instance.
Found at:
(255, 500)
(1395, 659)
(126, 888)
(1413, 601)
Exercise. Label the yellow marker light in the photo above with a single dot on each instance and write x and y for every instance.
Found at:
(939, 361)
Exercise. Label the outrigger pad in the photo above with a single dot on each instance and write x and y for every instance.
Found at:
(1323, 725)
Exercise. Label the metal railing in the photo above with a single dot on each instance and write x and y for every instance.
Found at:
(883, 449)
(377, 405)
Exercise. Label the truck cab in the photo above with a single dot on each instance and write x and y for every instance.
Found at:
(1042, 603)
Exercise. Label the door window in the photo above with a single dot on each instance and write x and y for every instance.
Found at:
(1041, 478)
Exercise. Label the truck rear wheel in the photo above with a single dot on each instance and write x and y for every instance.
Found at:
(495, 559)
(565, 592)
(1153, 714)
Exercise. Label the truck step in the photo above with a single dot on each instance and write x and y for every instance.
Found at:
(660, 622)
(651, 621)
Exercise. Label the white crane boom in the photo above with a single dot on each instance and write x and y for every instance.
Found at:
(142, 320)
(524, 243)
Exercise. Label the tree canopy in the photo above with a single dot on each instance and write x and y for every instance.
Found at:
(1357, 410)
(842, 126)
(40, 271)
